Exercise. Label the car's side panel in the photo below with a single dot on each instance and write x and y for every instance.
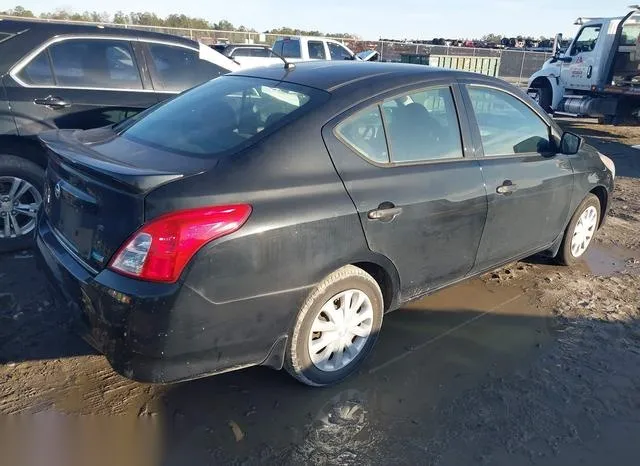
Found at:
(7, 123)
(530, 217)
(302, 227)
(435, 238)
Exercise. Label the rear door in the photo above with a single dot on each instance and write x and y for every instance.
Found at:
(77, 83)
(529, 187)
(406, 163)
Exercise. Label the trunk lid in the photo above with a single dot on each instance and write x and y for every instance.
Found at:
(95, 187)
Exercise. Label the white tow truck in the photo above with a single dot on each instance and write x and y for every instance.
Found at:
(598, 75)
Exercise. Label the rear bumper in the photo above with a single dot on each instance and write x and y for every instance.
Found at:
(158, 333)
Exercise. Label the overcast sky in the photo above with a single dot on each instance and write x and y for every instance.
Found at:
(371, 19)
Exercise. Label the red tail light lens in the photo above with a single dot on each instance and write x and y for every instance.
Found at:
(161, 249)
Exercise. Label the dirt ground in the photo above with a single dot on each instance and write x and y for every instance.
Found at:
(530, 364)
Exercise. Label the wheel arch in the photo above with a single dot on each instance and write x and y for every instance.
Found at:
(27, 148)
(552, 83)
(603, 196)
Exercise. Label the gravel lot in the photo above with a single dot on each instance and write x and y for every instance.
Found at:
(531, 364)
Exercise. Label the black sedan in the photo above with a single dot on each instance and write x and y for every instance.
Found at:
(273, 217)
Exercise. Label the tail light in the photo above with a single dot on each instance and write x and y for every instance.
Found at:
(161, 249)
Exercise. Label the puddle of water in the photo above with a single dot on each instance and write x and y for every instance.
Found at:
(605, 261)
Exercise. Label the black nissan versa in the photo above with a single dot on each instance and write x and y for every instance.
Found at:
(55, 75)
(273, 217)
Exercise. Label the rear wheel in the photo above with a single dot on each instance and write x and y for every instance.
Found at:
(580, 231)
(21, 184)
(336, 328)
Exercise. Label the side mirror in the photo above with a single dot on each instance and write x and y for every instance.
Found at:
(570, 143)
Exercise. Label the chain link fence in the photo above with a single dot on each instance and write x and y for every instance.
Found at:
(515, 66)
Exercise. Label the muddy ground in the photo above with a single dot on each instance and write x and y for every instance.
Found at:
(531, 364)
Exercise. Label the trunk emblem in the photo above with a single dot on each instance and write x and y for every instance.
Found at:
(57, 190)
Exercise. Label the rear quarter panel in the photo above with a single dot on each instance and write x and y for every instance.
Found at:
(7, 122)
(248, 286)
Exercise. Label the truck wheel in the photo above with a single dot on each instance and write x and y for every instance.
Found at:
(336, 328)
(21, 183)
(606, 120)
(545, 97)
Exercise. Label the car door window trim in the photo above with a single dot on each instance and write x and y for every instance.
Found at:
(378, 103)
(20, 65)
(471, 111)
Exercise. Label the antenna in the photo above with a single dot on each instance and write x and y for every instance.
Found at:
(287, 64)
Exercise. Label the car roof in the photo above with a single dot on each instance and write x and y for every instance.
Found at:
(50, 29)
(330, 76)
(26, 35)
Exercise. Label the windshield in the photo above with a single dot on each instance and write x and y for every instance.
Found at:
(221, 115)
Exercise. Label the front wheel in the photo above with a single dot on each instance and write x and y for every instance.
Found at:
(21, 184)
(580, 231)
(336, 328)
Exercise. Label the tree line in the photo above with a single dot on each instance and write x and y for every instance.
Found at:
(151, 19)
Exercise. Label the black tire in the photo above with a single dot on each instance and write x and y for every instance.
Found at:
(10, 165)
(297, 361)
(545, 98)
(565, 256)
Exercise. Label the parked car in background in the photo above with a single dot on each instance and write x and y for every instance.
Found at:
(272, 217)
(56, 75)
(248, 55)
(312, 48)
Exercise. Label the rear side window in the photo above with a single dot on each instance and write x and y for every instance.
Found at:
(222, 115)
(95, 64)
(364, 133)
(277, 47)
(338, 52)
(423, 126)
(316, 50)
(179, 68)
(291, 49)
(507, 126)
(38, 71)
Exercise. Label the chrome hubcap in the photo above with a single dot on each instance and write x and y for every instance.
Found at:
(584, 231)
(340, 330)
(19, 204)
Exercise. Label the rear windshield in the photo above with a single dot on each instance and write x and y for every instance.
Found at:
(221, 116)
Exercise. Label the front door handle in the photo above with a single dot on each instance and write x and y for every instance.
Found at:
(386, 212)
(52, 102)
(507, 188)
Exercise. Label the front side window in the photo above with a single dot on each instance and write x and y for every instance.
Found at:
(93, 63)
(180, 68)
(291, 49)
(38, 71)
(423, 126)
(316, 50)
(587, 39)
(338, 52)
(364, 133)
(507, 125)
(223, 114)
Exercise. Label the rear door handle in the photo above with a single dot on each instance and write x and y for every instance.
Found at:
(52, 101)
(507, 188)
(386, 212)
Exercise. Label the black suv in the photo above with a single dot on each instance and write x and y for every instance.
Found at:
(55, 75)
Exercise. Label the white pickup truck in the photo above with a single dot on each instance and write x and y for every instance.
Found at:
(302, 48)
(598, 75)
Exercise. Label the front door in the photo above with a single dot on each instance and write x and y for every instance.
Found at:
(77, 83)
(583, 69)
(528, 186)
(420, 196)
